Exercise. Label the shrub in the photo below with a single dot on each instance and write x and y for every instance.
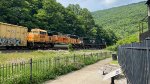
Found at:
(127, 40)
(70, 47)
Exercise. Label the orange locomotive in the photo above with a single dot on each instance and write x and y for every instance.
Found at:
(39, 38)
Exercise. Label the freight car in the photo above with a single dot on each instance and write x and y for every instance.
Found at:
(13, 36)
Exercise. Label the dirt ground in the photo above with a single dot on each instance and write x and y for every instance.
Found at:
(89, 75)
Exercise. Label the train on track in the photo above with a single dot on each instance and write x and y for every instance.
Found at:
(13, 36)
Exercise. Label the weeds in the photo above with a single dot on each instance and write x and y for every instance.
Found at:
(46, 69)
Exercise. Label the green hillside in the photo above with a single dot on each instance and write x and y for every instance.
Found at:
(123, 20)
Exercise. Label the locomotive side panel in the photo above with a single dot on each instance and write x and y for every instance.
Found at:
(38, 36)
(12, 35)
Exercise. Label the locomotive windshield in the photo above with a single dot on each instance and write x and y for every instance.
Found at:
(35, 32)
(43, 33)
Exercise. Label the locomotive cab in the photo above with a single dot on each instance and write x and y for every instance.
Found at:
(38, 37)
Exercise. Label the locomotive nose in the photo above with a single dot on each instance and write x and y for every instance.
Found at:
(30, 37)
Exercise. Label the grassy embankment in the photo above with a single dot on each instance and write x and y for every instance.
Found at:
(18, 57)
(44, 66)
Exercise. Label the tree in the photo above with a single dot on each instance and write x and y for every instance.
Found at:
(50, 15)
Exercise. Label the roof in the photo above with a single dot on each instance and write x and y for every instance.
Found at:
(12, 25)
(38, 29)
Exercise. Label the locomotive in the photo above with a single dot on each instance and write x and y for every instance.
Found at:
(13, 36)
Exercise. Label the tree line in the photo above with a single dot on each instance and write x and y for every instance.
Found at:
(51, 15)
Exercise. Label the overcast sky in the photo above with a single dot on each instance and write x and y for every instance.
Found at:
(94, 5)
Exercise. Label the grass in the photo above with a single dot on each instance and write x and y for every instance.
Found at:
(114, 62)
(43, 69)
(39, 54)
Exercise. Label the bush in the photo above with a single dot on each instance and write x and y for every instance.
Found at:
(70, 47)
(127, 40)
(112, 48)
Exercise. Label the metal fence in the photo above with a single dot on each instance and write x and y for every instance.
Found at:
(32, 71)
(135, 62)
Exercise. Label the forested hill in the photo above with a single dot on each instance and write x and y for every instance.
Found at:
(122, 20)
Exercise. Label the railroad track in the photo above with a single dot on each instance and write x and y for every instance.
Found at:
(22, 50)
(27, 50)
(15, 51)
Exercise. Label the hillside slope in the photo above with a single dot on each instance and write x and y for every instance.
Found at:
(123, 20)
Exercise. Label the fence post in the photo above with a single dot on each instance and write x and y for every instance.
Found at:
(50, 65)
(58, 60)
(31, 70)
(97, 55)
(101, 54)
(91, 57)
(6, 71)
(84, 57)
(55, 62)
(66, 61)
(3, 72)
(110, 53)
(74, 58)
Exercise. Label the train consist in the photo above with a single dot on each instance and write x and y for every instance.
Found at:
(13, 36)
